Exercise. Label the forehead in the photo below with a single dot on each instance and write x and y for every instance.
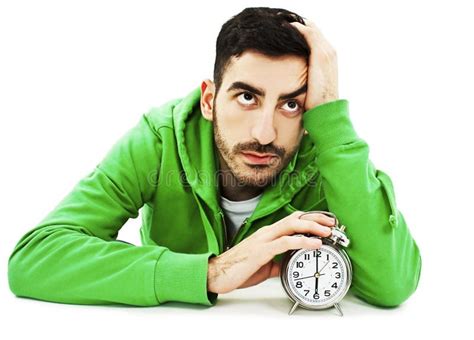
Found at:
(283, 73)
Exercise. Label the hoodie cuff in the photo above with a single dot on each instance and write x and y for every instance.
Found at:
(329, 125)
(183, 277)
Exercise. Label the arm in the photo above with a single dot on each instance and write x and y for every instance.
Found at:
(386, 259)
(72, 255)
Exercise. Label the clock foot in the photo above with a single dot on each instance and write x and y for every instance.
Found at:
(293, 308)
(338, 308)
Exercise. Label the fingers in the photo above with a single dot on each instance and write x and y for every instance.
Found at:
(317, 224)
(276, 267)
(269, 269)
(308, 33)
(309, 28)
(287, 242)
(312, 24)
(319, 217)
(314, 36)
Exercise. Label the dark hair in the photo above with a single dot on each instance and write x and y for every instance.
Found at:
(262, 29)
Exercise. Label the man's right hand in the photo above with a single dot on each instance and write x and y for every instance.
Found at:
(250, 261)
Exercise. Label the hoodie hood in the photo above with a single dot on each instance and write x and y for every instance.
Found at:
(196, 148)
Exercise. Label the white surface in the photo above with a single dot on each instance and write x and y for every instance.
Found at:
(259, 310)
(75, 75)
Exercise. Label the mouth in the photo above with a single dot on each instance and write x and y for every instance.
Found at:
(259, 158)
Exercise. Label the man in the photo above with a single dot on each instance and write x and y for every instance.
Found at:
(223, 176)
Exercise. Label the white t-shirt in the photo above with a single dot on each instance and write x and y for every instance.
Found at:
(236, 212)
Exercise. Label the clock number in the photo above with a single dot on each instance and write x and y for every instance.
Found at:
(296, 275)
(327, 293)
(318, 253)
(334, 285)
(306, 256)
(316, 296)
(334, 265)
(299, 284)
(327, 257)
(299, 264)
(307, 291)
(338, 275)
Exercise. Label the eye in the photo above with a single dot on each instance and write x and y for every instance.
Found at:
(245, 96)
(294, 107)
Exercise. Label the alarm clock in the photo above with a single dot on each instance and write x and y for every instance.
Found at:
(318, 278)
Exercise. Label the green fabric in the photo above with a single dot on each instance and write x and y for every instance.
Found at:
(166, 166)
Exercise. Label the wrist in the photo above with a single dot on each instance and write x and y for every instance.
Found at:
(329, 125)
(212, 275)
(323, 99)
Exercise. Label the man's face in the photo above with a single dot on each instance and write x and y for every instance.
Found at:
(257, 129)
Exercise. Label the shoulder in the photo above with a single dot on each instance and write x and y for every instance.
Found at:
(162, 116)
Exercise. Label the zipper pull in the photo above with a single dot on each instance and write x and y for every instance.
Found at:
(226, 242)
(238, 231)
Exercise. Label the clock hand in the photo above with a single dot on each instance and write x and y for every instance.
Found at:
(316, 263)
(324, 266)
(301, 278)
(317, 277)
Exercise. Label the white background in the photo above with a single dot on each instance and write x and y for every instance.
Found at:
(76, 75)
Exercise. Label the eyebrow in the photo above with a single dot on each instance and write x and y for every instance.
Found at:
(240, 85)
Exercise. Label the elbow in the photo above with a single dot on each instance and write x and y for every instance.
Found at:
(392, 298)
(390, 290)
(22, 275)
(16, 276)
(384, 296)
(399, 290)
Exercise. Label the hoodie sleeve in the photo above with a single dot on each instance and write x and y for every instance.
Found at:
(72, 255)
(385, 258)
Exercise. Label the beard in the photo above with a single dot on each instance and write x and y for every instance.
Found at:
(253, 176)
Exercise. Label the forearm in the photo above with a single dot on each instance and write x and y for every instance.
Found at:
(385, 258)
(64, 264)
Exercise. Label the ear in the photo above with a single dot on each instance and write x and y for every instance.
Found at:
(207, 99)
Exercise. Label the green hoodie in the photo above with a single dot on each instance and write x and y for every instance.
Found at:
(166, 165)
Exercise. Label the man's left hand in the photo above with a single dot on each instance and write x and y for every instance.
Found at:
(322, 67)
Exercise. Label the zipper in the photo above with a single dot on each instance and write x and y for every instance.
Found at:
(228, 244)
(243, 225)
(239, 231)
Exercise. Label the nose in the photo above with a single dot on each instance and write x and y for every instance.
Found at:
(263, 130)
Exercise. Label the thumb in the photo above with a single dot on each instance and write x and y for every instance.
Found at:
(276, 268)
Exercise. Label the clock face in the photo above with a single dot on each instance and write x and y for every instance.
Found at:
(317, 276)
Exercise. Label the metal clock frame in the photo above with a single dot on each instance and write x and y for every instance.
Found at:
(336, 240)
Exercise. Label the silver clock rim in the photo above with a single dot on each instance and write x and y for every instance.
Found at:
(285, 284)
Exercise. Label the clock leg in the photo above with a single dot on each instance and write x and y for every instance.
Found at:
(293, 308)
(338, 308)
